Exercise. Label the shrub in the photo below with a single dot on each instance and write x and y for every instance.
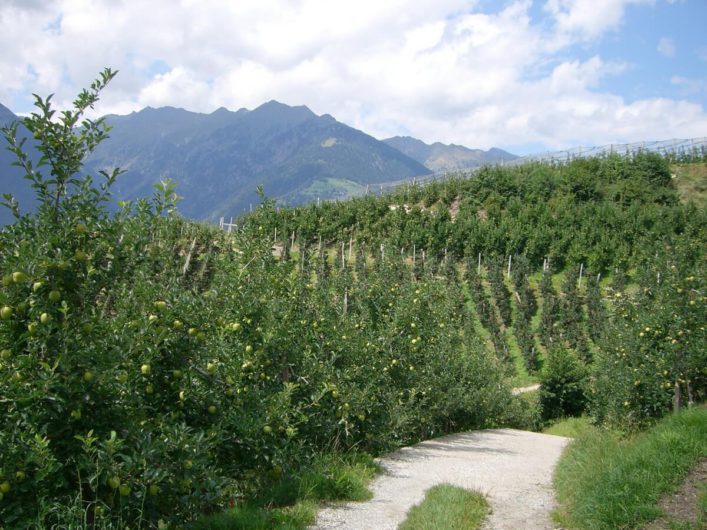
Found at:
(563, 380)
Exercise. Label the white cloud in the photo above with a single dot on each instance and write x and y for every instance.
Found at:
(666, 47)
(689, 86)
(435, 69)
(587, 19)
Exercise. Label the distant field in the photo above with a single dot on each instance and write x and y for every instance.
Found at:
(331, 188)
(691, 182)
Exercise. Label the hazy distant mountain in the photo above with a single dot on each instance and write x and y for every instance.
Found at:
(218, 159)
(11, 180)
(440, 157)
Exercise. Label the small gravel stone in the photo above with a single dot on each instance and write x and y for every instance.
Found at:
(512, 468)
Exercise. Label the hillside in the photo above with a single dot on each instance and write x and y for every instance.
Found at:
(218, 159)
(11, 176)
(442, 158)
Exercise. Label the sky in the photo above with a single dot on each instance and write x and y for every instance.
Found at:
(524, 75)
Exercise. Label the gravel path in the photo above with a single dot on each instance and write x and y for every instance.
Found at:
(512, 468)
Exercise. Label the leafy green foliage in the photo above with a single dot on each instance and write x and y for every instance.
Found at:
(154, 369)
(653, 356)
(562, 385)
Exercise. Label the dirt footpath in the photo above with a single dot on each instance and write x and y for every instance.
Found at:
(512, 468)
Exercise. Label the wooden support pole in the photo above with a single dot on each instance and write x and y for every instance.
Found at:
(581, 271)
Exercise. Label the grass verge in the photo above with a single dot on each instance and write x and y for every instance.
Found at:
(571, 427)
(291, 502)
(606, 482)
(447, 507)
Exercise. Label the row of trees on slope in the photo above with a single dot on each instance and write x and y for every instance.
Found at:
(596, 211)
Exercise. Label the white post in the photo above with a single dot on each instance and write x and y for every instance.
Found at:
(510, 256)
(581, 271)
(350, 248)
(343, 257)
(478, 270)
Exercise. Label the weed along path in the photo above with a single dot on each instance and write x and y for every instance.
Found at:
(512, 468)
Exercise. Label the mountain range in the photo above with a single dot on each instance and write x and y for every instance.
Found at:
(442, 158)
(11, 180)
(218, 159)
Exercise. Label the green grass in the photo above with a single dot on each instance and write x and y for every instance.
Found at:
(333, 187)
(447, 507)
(702, 505)
(571, 427)
(604, 481)
(291, 503)
(691, 182)
(249, 517)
